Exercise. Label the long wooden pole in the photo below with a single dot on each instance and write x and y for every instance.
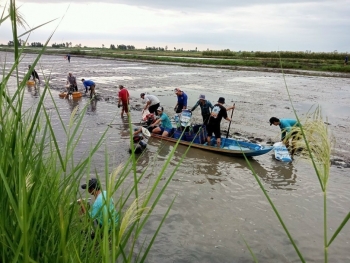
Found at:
(230, 121)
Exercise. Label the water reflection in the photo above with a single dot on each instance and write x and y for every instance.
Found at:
(216, 168)
(34, 91)
(93, 105)
(72, 103)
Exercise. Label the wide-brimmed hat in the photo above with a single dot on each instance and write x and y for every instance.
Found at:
(221, 100)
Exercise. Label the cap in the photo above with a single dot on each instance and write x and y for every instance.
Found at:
(273, 120)
(142, 94)
(201, 97)
(160, 108)
(93, 183)
(221, 100)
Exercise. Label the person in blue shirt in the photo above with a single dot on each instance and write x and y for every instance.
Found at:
(206, 108)
(286, 126)
(89, 85)
(181, 100)
(102, 210)
(165, 127)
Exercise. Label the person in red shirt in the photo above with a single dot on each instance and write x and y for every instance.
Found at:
(123, 100)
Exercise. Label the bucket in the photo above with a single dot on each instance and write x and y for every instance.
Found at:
(75, 95)
(30, 83)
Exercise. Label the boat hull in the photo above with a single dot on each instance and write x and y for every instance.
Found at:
(229, 146)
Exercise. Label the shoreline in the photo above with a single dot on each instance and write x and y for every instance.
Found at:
(187, 63)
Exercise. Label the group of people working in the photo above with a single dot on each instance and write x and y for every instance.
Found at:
(89, 85)
(211, 115)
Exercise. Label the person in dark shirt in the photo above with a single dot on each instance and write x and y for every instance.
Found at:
(34, 74)
(205, 106)
(72, 81)
(181, 100)
(218, 112)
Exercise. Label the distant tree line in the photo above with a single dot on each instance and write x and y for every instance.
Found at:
(276, 54)
(36, 44)
(155, 48)
(39, 44)
(122, 47)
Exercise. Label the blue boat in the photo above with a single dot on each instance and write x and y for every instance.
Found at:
(196, 138)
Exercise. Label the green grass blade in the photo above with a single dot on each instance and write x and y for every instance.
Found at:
(275, 210)
(27, 32)
(156, 233)
(250, 250)
(346, 219)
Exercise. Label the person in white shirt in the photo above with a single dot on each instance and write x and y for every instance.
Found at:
(152, 103)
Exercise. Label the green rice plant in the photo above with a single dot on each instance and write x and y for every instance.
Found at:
(316, 142)
(40, 178)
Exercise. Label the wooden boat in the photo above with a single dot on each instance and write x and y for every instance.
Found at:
(76, 95)
(230, 147)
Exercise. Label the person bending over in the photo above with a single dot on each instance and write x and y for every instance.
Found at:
(152, 103)
(286, 126)
(102, 210)
(34, 74)
(89, 85)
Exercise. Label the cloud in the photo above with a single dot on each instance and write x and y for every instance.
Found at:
(185, 5)
(289, 25)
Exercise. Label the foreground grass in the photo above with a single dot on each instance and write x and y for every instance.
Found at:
(40, 181)
(316, 140)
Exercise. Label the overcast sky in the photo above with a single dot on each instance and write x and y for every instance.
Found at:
(249, 25)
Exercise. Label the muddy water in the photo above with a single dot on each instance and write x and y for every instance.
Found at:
(217, 199)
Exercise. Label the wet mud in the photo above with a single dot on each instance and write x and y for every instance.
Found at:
(217, 199)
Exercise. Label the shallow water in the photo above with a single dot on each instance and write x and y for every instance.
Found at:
(217, 198)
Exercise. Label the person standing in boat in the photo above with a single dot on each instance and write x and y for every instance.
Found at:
(213, 126)
(165, 123)
(181, 100)
(152, 103)
(89, 85)
(34, 74)
(206, 108)
(123, 100)
(72, 81)
(287, 131)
